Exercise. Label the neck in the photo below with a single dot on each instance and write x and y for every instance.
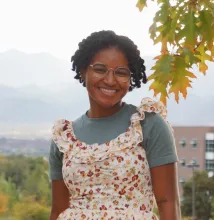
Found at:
(97, 111)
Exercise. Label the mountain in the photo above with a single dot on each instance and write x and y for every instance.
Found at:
(18, 68)
(35, 91)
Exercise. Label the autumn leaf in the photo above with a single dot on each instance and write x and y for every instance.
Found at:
(163, 66)
(203, 68)
(159, 88)
(203, 56)
(161, 76)
(186, 34)
(189, 57)
(141, 4)
(206, 18)
(181, 78)
(188, 31)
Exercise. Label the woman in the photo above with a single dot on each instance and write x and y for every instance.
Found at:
(116, 160)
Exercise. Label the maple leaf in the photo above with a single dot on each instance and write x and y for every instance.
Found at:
(181, 78)
(159, 88)
(186, 34)
(141, 4)
(203, 67)
(206, 27)
(163, 65)
(203, 56)
(188, 31)
(161, 76)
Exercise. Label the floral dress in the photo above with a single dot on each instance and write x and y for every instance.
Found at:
(109, 181)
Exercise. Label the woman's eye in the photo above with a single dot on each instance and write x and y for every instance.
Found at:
(100, 70)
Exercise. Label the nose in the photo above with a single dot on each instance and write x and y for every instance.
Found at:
(109, 79)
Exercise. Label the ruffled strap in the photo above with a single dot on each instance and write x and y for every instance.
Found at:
(60, 135)
(149, 105)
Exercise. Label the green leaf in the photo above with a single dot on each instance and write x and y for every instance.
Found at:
(187, 29)
(205, 27)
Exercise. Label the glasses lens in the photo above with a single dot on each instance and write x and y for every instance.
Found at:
(99, 69)
(123, 73)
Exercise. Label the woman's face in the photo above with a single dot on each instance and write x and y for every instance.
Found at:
(106, 91)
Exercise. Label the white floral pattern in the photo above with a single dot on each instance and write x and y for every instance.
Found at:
(111, 180)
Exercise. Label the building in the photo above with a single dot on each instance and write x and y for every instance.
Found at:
(194, 145)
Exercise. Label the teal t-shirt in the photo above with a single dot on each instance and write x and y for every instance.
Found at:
(158, 140)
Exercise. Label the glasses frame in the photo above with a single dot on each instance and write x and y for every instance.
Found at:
(108, 69)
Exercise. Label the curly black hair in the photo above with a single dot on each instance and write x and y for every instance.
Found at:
(105, 39)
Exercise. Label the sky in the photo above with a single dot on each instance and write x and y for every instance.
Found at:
(57, 26)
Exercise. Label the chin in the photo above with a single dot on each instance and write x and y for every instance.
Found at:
(108, 103)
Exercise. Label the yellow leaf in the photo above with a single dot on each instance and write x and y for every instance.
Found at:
(159, 88)
(155, 87)
(141, 4)
(203, 67)
(180, 87)
(190, 74)
(203, 56)
(180, 78)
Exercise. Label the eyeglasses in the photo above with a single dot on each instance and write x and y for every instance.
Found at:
(100, 70)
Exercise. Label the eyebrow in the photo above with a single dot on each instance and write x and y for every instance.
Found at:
(99, 63)
(107, 65)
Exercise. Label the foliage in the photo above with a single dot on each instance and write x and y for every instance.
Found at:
(212, 213)
(3, 203)
(28, 198)
(185, 30)
(28, 209)
(204, 195)
(40, 188)
(8, 188)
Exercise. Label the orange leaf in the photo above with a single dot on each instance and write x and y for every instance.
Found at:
(203, 68)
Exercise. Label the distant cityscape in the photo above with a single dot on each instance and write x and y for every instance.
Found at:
(33, 147)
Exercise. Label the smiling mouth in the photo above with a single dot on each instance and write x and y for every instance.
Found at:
(109, 92)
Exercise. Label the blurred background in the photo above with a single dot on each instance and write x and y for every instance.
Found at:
(37, 40)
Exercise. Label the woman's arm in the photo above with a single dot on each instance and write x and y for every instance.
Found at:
(60, 198)
(165, 186)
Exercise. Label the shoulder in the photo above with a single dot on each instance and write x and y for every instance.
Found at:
(158, 138)
(61, 131)
(152, 120)
(152, 115)
(150, 112)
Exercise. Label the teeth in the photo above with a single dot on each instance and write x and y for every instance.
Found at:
(109, 91)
